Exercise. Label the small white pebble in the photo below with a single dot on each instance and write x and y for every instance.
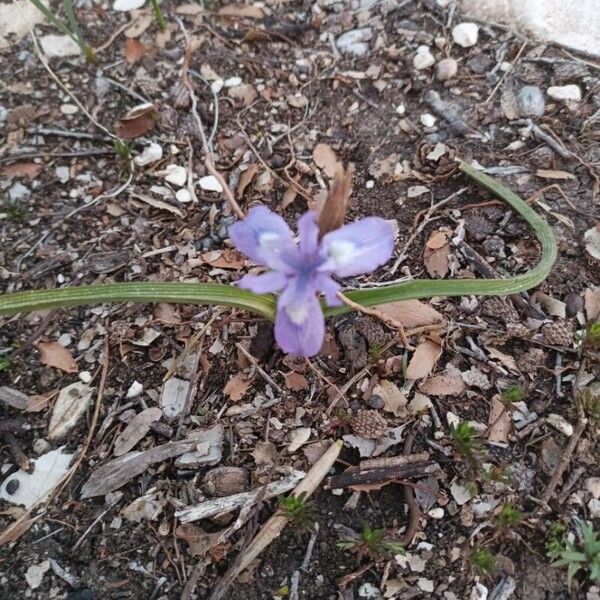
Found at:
(560, 424)
(425, 585)
(183, 195)
(370, 184)
(85, 376)
(423, 59)
(176, 174)
(62, 173)
(401, 108)
(135, 389)
(210, 183)
(69, 109)
(436, 513)
(427, 120)
(65, 340)
(565, 92)
(233, 82)
(465, 34)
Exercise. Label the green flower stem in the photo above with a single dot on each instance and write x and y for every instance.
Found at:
(214, 293)
(160, 18)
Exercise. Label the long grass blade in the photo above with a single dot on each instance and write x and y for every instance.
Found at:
(53, 19)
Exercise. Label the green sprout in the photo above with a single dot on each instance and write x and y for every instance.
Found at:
(160, 18)
(509, 516)
(373, 543)
(483, 561)
(123, 151)
(513, 393)
(299, 510)
(556, 539)
(589, 403)
(5, 363)
(496, 474)
(584, 554)
(466, 442)
(14, 210)
(72, 29)
(592, 335)
(375, 351)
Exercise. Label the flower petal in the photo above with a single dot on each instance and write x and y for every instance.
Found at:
(303, 338)
(308, 232)
(264, 237)
(265, 283)
(329, 288)
(359, 247)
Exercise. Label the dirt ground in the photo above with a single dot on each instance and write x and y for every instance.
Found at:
(291, 95)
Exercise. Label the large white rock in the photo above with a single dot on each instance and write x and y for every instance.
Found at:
(572, 24)
(465, 34)
(15, 20)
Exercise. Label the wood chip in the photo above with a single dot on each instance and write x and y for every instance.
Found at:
(499, 422)
(423, 360)
(394, 401)
(14, 398)
(71, 404)
(237, 10)
(136, 429)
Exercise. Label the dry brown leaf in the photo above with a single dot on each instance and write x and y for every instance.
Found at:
(138, 121)
(592, 304)
(423, 360)
(394, 401)
(244, 93)
(444, 385)
(265, 453)
(499, 422)
(237, 386)
(224, 259)
(411, 313)
(436, 261)
(333, 213)
(52, 354)
(245, 178)
(237, 10)
(14, 531)
(552, 174)
(40, 401)
(507, 360)
(22, 169)
(437, 240)
(326, 159)
(135, 50)
(295, 381)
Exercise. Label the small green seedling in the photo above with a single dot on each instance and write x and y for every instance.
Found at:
(513, 393)
(483, 561)
(508, 517)
(160, 18)
(123, 152)
(556, 539)
(5, 363)
(466, 442)
(373, 543)
(14, 210)
(375, 351)
(592, 335)
(72, 29)
(299, 510)
(589, 404)
(496, 474)
(583, 554)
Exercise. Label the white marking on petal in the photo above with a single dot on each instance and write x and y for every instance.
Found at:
(268, 241)
(297, 313)
(342, 252)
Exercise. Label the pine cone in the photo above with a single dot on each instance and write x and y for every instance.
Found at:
(369, 424)
(519, 330)
(372, 331)
(559, 333)
(532, 360)
(500, 308)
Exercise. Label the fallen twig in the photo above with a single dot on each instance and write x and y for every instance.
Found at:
(275, 525)
(414, 510)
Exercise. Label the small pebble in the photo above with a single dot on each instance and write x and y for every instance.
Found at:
(135, 389)
(436, 513)
(176, 174)
(446, 69)
(401, 109)
(210, 183)
(423, 59)
(41, 446)
(465, 34)
(233, 82)
(560, 424)
(69, 109)
(355, 42)
(376, 402)
(85, 376)
(12, 486)
(569, 92)
(427, 120)
(63, 174)
(18, 192)
(426, 585)
(183, 195)
(370, 184)
(530, 100)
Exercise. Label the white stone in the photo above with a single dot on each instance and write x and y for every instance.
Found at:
(59, 46)
(594, 507)
(135, 389)
(423, 59)
(40, 446)
(401, 108)
(460, 493)
(572, 24)
(530, 100)
(436, 513)
(479, 592)
(69, 109)
(233, 82)
(592, 485)
(64, 340)
(446, 69)
(18, 191)
(85, 376)
(62, 173)
(560, 424)
(151, 153)
(569, 92)
(355, 42)
(217, 85)
(176, 174)
(370, 184)
(465, 34)
(425, 585)
(210, 183)
(35, 574)
(452, 419)
(183, 195)
(16, 18)
(125, 5)
(369, 591)
(427, 120)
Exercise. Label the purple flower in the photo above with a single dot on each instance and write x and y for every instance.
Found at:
(299, 271)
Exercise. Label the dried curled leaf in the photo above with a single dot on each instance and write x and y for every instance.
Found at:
(334, 211)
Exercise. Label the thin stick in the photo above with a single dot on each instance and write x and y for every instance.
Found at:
(564, 461)
(255, 364)
(414, 509)
(209, 157)
(497, 86)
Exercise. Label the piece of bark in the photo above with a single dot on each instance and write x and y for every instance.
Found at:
(136, 429)
(13, 397)
(352, 477)
(393, 461)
